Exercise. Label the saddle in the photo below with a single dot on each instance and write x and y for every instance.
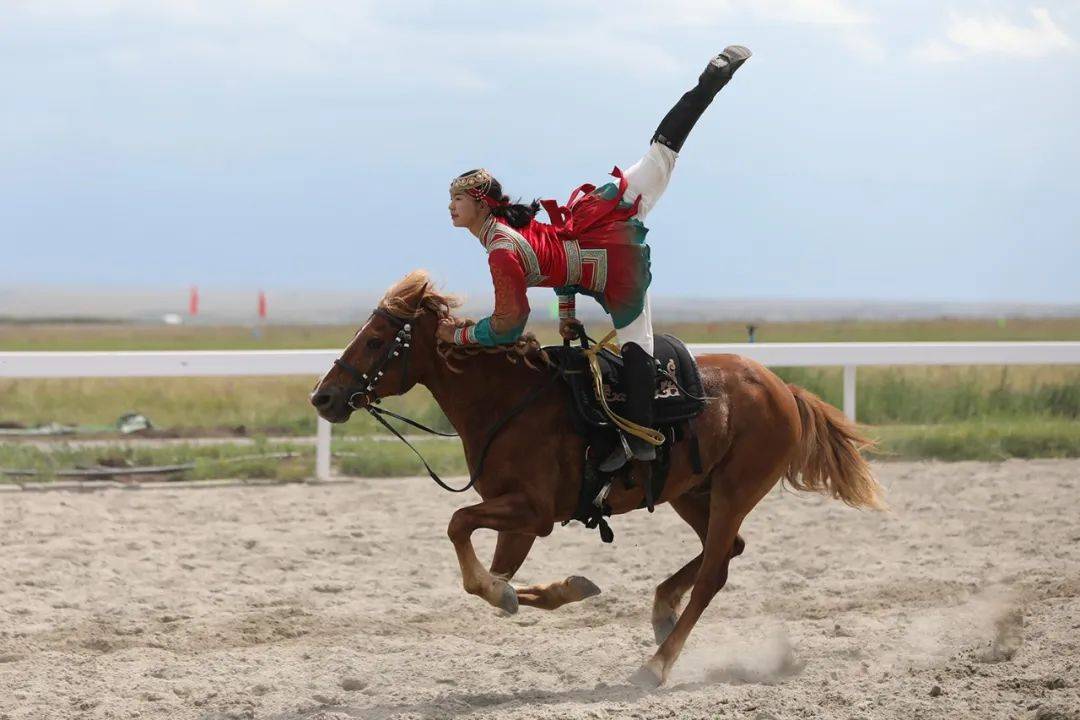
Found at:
(679, 398)
(679, 393)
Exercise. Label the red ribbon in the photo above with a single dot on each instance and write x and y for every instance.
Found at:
(560, 215)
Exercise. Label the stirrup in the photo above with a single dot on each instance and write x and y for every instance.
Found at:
(642, 450)
(618, 457)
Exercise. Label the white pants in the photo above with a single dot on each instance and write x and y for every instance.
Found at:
(647, 178)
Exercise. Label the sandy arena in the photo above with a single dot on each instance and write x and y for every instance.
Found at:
(344, 601)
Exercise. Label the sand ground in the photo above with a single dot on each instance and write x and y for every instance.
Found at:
(344, 601)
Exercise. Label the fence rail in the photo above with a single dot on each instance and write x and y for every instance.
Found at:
(218, 363)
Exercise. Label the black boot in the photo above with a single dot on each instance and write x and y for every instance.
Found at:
(639, 379)
(680, 120)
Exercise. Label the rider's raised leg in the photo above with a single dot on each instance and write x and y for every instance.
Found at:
(649, 177)
(680, 120)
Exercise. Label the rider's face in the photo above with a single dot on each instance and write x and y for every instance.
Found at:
(464, 211)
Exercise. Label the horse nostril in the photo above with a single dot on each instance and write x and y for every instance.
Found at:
(321, 400)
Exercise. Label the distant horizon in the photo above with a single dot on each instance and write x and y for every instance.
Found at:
(286, 306)
(182, 289)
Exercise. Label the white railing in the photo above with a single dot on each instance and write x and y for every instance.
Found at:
(315, 362)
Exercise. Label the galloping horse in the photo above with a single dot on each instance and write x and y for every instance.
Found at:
(753, 431)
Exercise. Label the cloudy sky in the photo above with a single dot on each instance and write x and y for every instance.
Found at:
(896, 149)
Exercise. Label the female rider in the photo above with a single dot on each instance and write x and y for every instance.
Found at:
(594, 246)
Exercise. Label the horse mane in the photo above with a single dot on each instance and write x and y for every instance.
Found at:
(527, 349)
(400, 301)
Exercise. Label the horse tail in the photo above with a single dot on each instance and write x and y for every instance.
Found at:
(828, 458)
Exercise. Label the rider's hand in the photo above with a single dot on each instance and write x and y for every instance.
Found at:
(445, 331)
(447, 326)
(570, 328)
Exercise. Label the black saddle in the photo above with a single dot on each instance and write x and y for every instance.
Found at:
(679, 393)
(679, 398)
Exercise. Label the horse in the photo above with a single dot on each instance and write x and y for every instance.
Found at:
(754, 430)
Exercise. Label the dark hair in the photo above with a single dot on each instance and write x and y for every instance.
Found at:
(516, 215)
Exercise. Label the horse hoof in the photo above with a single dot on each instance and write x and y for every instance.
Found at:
(646, 678)
(508, 600)
(662, 627)
(583, 587)
(738, 546)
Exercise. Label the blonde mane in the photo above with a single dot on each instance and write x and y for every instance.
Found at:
(400, 301)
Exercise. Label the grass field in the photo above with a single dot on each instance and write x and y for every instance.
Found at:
(91, 336)
(942, 412)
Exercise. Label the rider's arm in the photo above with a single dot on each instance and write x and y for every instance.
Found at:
(507, 322)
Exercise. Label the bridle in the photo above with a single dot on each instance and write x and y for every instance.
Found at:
(367, 381)
(365, 390)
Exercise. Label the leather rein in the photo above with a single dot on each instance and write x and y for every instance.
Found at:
(366, 391)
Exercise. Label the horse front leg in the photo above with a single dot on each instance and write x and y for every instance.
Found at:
(518, 524)
(510, 552)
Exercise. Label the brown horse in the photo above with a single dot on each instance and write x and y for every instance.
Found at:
(753, 431)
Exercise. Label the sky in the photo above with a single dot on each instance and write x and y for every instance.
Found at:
(889, 150)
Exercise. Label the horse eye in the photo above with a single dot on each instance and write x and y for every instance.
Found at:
(375, 343)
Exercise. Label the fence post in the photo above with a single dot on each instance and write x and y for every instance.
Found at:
(849, 391)
(322, 449)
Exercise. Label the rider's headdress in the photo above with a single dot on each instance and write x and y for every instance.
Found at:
(477, 184)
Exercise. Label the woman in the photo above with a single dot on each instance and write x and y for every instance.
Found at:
(594, 246)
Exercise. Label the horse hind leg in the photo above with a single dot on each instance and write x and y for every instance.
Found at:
(694, 509)
(669, 594)
(734, 492)
(711, 576)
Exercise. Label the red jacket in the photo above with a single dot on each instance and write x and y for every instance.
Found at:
(593, 246)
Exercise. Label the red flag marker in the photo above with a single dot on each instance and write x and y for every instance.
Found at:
(262, 305)
(193, 301)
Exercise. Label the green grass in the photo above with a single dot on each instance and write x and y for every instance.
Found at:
(938, 330)
(363, 457)
(210, 461)
(394, 459)
(946, 412)
(131, 336)
(922, 395)
(971, 440)
(191, 406)
(278, 406)
(994, 439)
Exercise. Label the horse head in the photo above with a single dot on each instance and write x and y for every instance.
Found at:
(390, 353)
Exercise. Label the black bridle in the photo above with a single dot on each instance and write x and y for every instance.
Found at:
(367, 381)
(366, 391)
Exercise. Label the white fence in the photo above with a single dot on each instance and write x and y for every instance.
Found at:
(315, 362)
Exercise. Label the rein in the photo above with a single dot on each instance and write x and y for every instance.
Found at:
(366, 391)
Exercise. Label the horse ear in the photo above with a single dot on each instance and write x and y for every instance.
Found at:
(417, 299)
